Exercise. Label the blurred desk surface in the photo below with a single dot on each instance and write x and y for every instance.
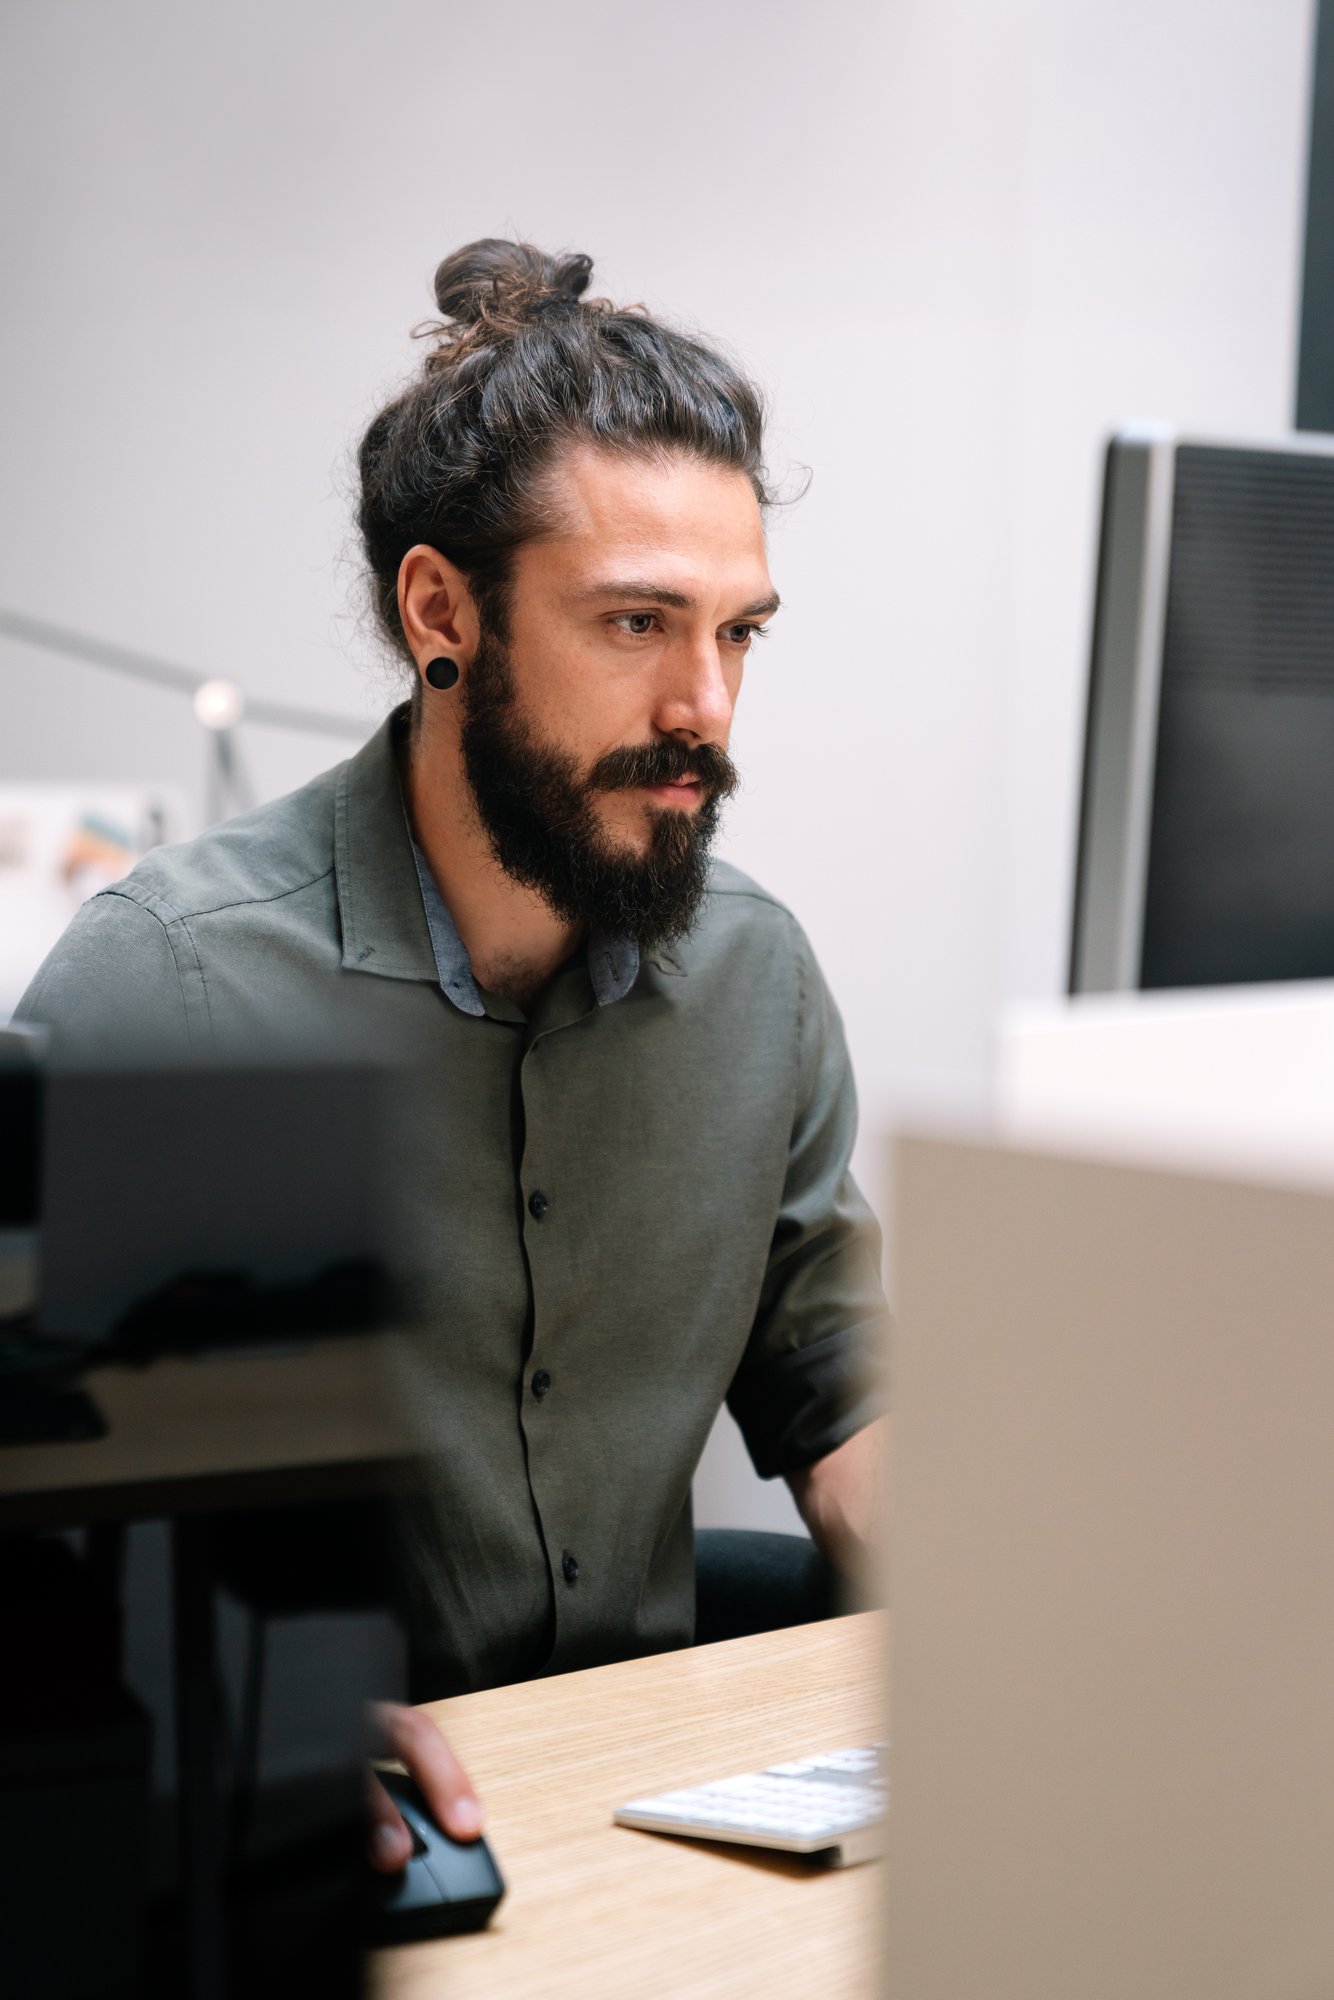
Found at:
(220, 1430)
(594, 1910)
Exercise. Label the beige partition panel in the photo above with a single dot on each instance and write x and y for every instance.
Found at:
(1113, 1584)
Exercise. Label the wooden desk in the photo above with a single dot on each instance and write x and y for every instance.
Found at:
(597, 1910)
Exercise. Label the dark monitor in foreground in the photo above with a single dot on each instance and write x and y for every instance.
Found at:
(202, 1435)
(1206, 845)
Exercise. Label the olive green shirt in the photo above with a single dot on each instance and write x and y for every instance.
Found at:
(638, 1195)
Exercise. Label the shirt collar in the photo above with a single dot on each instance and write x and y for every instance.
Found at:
(613, 963)
(395, 921)
(613, 967)
(379, 899)
(452, 963)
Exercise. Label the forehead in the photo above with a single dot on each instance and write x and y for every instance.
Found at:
(698, 525)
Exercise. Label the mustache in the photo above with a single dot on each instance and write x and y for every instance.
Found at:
(666, 763)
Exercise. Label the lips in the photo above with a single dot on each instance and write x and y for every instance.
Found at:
(683, 787)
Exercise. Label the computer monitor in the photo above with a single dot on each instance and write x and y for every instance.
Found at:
(203, 1233)
(1206, 847)
(262, 1173)
(20, 1170)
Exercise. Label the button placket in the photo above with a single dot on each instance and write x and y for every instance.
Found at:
(549, 1277)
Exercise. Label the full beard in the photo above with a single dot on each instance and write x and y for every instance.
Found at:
(540, 818)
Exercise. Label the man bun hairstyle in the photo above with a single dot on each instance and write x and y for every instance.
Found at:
(497, 283)
(522, 366)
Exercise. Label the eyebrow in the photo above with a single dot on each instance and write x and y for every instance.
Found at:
(641, 591)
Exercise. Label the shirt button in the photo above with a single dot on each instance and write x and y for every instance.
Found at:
(537, 1204)
(541, 1383)
(569, 1568)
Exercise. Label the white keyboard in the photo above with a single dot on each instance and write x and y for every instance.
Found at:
(834, 1802)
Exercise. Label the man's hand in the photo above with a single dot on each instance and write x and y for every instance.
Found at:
(418, 1745)
(844, 1501)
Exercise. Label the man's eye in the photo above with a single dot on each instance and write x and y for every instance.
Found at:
(638, 623)
(743, 632)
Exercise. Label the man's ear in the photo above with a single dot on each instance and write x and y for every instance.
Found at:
(436, 608)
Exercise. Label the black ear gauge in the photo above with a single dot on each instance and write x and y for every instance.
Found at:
(442, 673)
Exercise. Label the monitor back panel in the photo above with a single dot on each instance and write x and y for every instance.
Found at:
(1112, 1732)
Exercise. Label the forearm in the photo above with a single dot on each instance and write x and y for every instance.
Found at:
(843, 1499)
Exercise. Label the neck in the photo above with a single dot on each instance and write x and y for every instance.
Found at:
(514, 941)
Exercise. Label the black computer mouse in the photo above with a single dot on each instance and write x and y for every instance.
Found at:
(446, 1886)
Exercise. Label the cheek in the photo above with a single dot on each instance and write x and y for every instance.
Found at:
(732, 679)
(607, 718)
(585, 705)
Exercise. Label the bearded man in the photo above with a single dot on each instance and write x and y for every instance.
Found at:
(634, 1102)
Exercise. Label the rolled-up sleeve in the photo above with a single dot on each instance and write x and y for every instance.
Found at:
(815, 1369)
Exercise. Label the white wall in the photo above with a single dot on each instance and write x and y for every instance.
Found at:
(959, 240)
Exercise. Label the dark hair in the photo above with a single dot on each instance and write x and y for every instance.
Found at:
(523, 365)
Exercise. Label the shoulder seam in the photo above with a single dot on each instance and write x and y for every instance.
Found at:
(753, 892)
(751, 889)
(145, 905)
(147, 899)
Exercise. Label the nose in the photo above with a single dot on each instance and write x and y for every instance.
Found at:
(698, 694)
